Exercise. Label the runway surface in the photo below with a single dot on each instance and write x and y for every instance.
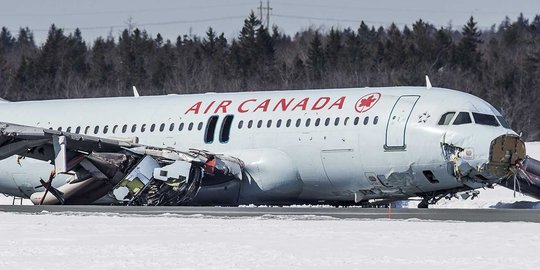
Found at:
(469, 215)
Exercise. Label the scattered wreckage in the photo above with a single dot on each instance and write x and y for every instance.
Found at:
(137, 174)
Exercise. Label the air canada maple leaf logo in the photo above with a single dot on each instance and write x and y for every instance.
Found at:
(367, 102)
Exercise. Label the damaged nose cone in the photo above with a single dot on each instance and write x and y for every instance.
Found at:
(504, 153)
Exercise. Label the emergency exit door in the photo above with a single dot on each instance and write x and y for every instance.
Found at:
(397, 123)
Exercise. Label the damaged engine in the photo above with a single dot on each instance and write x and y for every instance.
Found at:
(117, 171)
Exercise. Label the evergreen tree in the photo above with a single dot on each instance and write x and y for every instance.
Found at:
(394, 47)
(334, 48)
(467, 54)
(316, 61)
(7, 42)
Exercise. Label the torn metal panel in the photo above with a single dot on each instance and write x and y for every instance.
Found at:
(19, 147)
(137, 179)
(178, 171)
(60, 159)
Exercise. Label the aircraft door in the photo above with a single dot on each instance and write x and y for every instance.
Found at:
(397, 122)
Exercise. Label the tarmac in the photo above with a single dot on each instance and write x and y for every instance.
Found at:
(465, 215)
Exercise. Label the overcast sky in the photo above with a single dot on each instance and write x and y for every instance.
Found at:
(173, 17)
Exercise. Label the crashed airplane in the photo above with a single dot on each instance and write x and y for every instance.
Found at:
(332, 146)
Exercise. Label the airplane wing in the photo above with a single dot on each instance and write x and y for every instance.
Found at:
(139, 174)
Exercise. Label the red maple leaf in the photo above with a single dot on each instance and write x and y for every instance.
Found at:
(367, 101)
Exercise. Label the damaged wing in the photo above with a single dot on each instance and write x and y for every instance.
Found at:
(126, 171)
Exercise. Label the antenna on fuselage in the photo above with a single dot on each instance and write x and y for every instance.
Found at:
(428, 83)
(135, 92)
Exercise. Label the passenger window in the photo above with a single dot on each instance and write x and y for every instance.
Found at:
(278, 123)
(269, 124)
(462, 118)
(259, 124)
(78, 130)
(375, 120)
(171, 127)
(327, 122)
(240, 124)
(336, 122)
(210, 129)
(317, 122)
(143, 127)
(86, 129)
(96, 130)
(446, 118)
(356, 120)
(181, 126)
(345, 121)
(105, 129)
(503, 122)
(199, 127)
(152, 127)
(162, 127)
(115, 128)
(288, 124)
(250, 123)
(124, 129)
(308, 122)
(485, 119)
(366, 120)
(134, 128)
(226, 129)
(298, 122)
(59, 129)
(190, 126)
(68, 129)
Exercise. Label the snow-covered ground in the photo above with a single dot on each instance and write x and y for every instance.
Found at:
(52, 241)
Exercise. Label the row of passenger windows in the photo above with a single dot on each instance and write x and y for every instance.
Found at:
(308, 122)
(479, 118)
(116, 129)
(123, 129)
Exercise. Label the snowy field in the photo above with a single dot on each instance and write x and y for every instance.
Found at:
(109, 241)
(51, 241)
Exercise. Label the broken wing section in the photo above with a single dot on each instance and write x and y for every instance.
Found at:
(123, 171)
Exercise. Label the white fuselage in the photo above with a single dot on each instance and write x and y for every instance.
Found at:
(377, 140)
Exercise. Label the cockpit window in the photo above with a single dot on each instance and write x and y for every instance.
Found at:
(503, 122)
(462, 118)
(485, 119)
(446, 118)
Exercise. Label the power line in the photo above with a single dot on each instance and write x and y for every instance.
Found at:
(123, 11)
(405, 9)
(147, 24)
(298, 17)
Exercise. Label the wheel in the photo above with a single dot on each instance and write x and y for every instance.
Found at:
(423, 204)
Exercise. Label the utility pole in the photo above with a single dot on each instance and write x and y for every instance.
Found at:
(267, 9)
(268, 14)
(260, 10)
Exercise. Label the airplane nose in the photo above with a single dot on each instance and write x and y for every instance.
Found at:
(504, 153)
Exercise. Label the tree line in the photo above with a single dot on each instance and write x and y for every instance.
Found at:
(501, 65)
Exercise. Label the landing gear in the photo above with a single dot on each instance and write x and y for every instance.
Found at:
(432, 198)
(423, 204)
